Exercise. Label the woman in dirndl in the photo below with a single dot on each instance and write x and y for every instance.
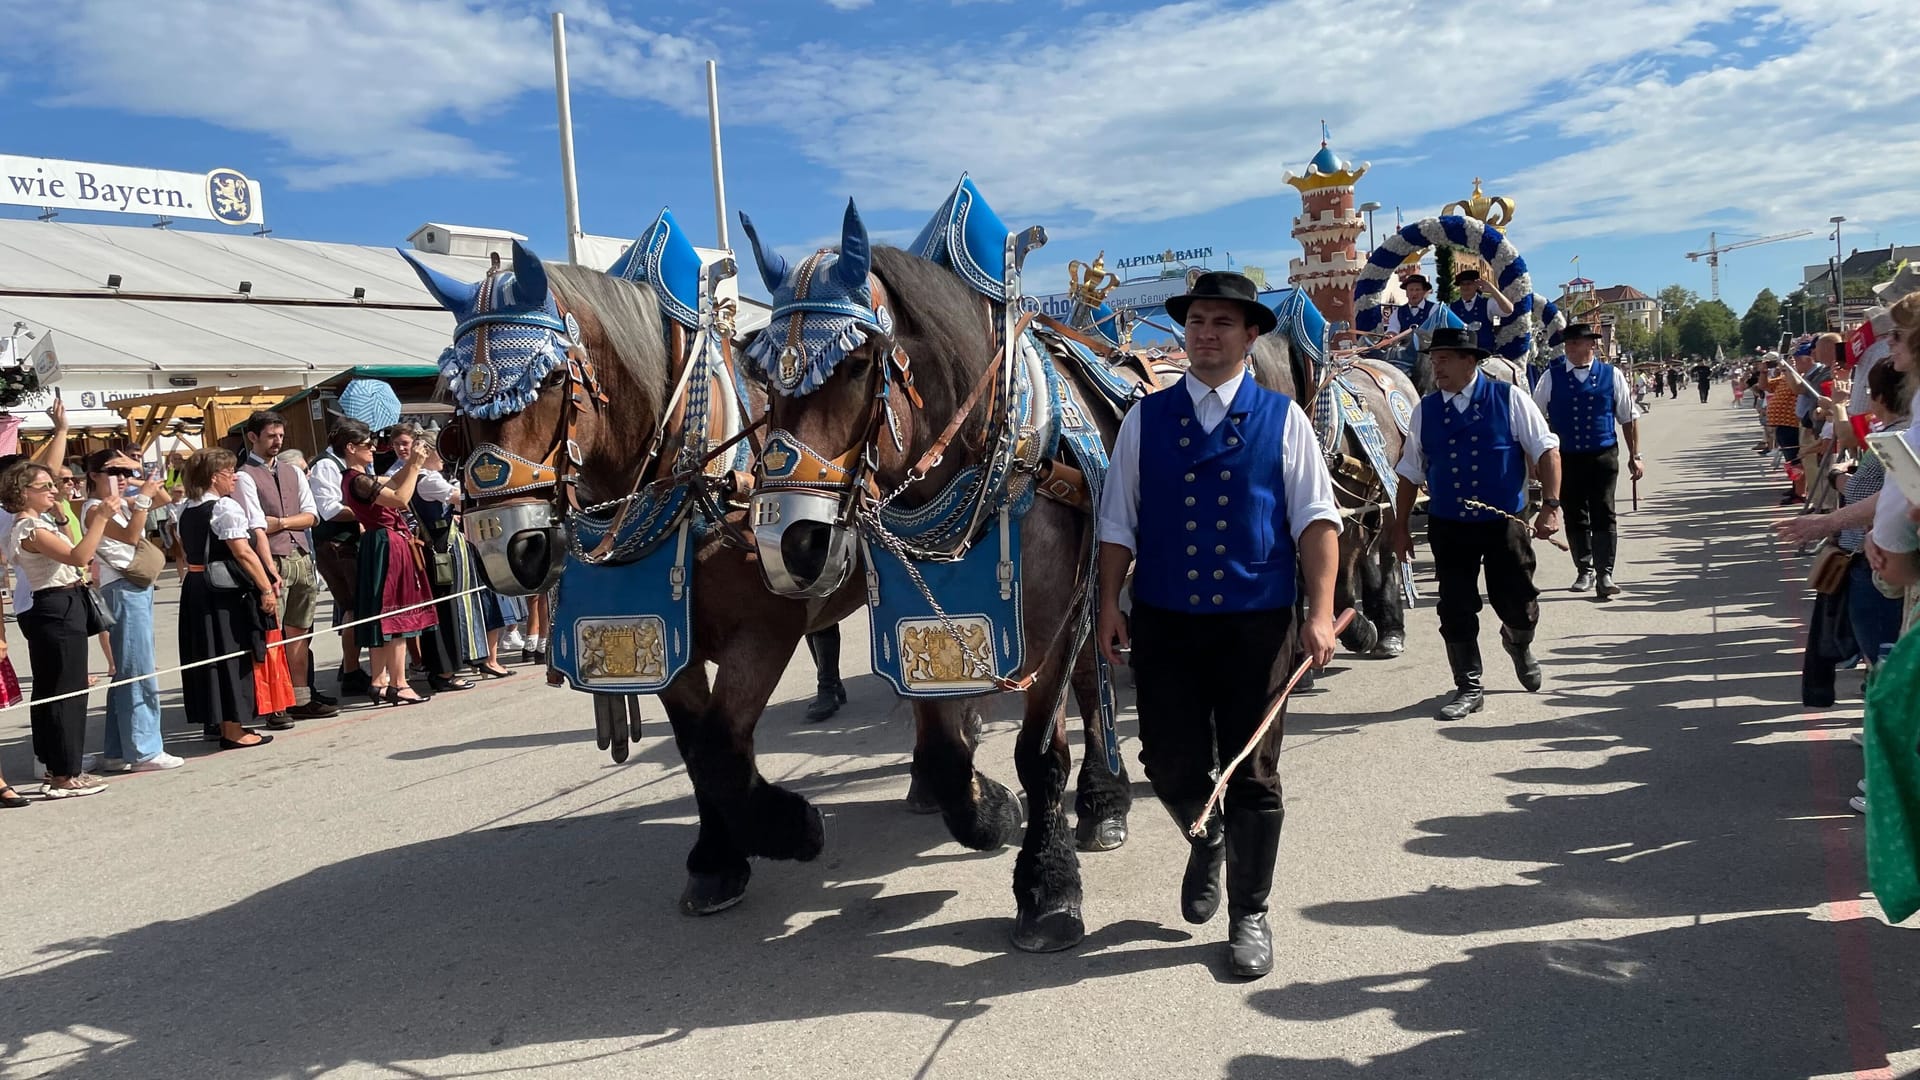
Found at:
(217, 622)
(459, 639)
(392, 573)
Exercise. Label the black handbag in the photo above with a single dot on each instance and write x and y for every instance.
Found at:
(99, 619)
(221, 575)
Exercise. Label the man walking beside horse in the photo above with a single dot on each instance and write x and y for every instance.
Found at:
(1470, 445)
(1585, 400)
(1217, 496)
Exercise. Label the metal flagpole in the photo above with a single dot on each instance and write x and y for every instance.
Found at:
(565, 98)
(719, 172)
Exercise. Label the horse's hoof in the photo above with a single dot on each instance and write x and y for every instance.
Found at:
(1050, 931)
(918, 801)
(710, 894)
(1390, 646)
(1100, 834)
(1362, 637)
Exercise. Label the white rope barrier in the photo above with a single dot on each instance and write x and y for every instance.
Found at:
(155, 675)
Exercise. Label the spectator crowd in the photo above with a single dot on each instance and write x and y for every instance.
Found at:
(258, 539)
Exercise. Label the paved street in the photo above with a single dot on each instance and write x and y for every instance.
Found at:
(1646, 870)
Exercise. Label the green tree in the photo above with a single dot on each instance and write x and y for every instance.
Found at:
(1708, 326)
(1760, 326)
(1677, 300)
(1632, 338)
(1806, 311)
(1666, 341)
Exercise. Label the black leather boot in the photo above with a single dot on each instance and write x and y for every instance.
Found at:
(1200, 885)
(1524, 665)
(1253, 845)
(1467, 697)
(825, 647)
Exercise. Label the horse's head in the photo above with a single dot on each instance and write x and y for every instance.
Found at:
(843, 409)
(520, 378)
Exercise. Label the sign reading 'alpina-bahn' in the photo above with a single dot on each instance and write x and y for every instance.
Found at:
(222, 195)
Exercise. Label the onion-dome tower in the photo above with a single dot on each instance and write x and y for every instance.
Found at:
(1327, 228)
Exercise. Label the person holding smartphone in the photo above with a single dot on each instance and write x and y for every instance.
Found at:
(133, 742)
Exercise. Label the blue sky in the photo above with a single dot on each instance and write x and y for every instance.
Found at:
(1625, 131)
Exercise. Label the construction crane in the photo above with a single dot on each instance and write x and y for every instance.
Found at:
(1715, 250)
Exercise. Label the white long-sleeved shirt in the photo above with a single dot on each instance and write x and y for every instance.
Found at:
(1893, 530)
(1622, 396)
(1309, 485)
(1529, 429)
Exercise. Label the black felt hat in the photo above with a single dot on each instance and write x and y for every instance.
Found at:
(1225, 285)
(1458, 339)
(1466, 275)
(1411, 278)
(1580, 330)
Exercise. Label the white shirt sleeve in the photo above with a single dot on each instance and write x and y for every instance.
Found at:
(1543, 390)
(433, 487)
(324, 486)
(1309, 484)
(1120, 497)
(1413, 459)
(308, 505)
(230, 521)
(1622, 399)
(248, 497)
(1530, 427)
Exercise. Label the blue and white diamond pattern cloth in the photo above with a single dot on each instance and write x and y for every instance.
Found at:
(510, 336)
(822, 310)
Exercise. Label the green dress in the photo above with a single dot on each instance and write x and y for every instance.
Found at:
(1893, 780)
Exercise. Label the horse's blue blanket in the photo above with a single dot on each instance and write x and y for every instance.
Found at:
(966, 236)
(913, 648)
(602, 645)
(664, 258)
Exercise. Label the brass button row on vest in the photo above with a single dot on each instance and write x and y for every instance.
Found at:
(1218, 549)
(1217, 599)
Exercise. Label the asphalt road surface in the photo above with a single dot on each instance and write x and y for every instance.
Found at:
(1647, 869)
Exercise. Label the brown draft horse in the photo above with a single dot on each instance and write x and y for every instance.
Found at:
(745, 631)
(946, 333)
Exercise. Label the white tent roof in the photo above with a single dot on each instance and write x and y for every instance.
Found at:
(193, 327)
(53, 276)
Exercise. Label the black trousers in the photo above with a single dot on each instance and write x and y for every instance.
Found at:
(1460, 549)
(1203, 684)
(56, 630)
(1587, 484)
(1703, 389)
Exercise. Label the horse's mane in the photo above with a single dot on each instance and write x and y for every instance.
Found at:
(1273, 364)
(629, 318)
(941, 324)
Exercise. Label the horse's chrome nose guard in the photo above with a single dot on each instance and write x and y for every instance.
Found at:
(804, 550)
(522, 546)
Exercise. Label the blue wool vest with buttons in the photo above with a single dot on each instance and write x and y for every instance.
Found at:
(1478, 314)
(1582, 412)
(1213, 534)
(1473, 455)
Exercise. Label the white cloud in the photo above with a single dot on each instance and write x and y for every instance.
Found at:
(1177, 110)
(359, 91)
(849, 5)
(1830, 128)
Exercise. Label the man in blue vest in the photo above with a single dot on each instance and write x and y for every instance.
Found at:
(1218, 496)
(1421, 314)
(1479, 308)
(1585, 400)
(1470, 444)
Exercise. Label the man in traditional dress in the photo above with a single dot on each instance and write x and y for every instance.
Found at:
(1584, 400)
(1470, 444)
(1479, 308)
(1420, 314)
(1702, 380)
(1218, 496)
(279, 493)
